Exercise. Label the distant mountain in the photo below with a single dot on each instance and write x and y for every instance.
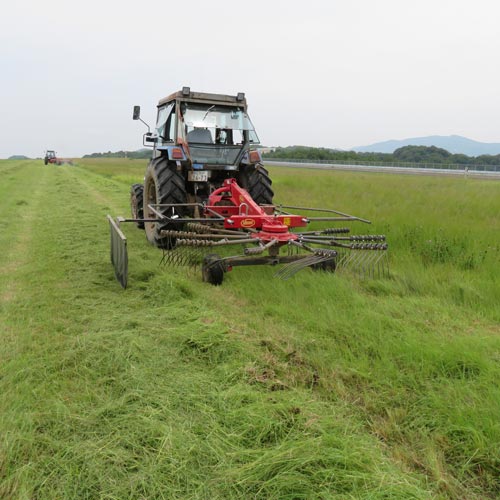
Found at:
(453, 143)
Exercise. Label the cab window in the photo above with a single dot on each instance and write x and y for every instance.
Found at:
(165, 124)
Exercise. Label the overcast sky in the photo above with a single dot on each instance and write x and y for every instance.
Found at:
(332, 73)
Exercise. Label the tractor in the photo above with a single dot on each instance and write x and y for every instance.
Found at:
(205, 189)
(50, 157)
(200, 140)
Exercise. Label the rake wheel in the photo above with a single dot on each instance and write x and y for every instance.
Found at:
(212, 269)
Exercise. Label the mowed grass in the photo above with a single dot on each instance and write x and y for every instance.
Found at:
(323, 386)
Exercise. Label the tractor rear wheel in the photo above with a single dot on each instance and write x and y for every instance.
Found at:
(137, 203)
(257, 182)
(163, 185)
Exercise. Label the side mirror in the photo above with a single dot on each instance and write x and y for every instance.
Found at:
(137, 116)
(148, 137)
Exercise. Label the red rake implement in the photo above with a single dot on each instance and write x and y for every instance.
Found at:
(267, 234)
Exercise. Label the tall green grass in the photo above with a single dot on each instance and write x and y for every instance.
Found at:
(319, 387)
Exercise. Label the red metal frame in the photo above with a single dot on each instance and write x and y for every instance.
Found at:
(241, 212)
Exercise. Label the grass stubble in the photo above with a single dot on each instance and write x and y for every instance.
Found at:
(319, 387)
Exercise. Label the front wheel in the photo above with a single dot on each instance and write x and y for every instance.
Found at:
(163, 185)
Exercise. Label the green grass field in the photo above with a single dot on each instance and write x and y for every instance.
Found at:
(320, 387)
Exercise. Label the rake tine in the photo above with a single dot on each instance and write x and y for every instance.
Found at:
(340, 262)
(182, 257)
(346, 257)
(290, 270)
(188, 257)
(381, 263)
(297, 248)
(163, 261)
(318, 260)
(376, 266)
(376, 256)
(356, 263)
(346, 260)
(355, 257)
(364, 262)
(368, 263)
(371, 265)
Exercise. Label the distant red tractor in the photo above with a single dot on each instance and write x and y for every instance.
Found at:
(50, 157)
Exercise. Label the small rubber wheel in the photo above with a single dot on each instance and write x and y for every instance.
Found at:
(212, 269)
(328, 266)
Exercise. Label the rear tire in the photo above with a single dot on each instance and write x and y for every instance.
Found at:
(137, 203)
(163, 185)
(256, 180)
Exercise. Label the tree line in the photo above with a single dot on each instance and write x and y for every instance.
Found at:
(407, 154)
(410, 154)
(134, 155)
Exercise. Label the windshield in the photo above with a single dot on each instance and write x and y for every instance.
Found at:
(213, 124)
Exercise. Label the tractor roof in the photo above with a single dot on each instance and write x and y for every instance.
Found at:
(186, 95)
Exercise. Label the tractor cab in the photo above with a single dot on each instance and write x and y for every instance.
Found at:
(212, 129)
(216, 134)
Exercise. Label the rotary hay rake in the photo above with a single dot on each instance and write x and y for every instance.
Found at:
(267, 234)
